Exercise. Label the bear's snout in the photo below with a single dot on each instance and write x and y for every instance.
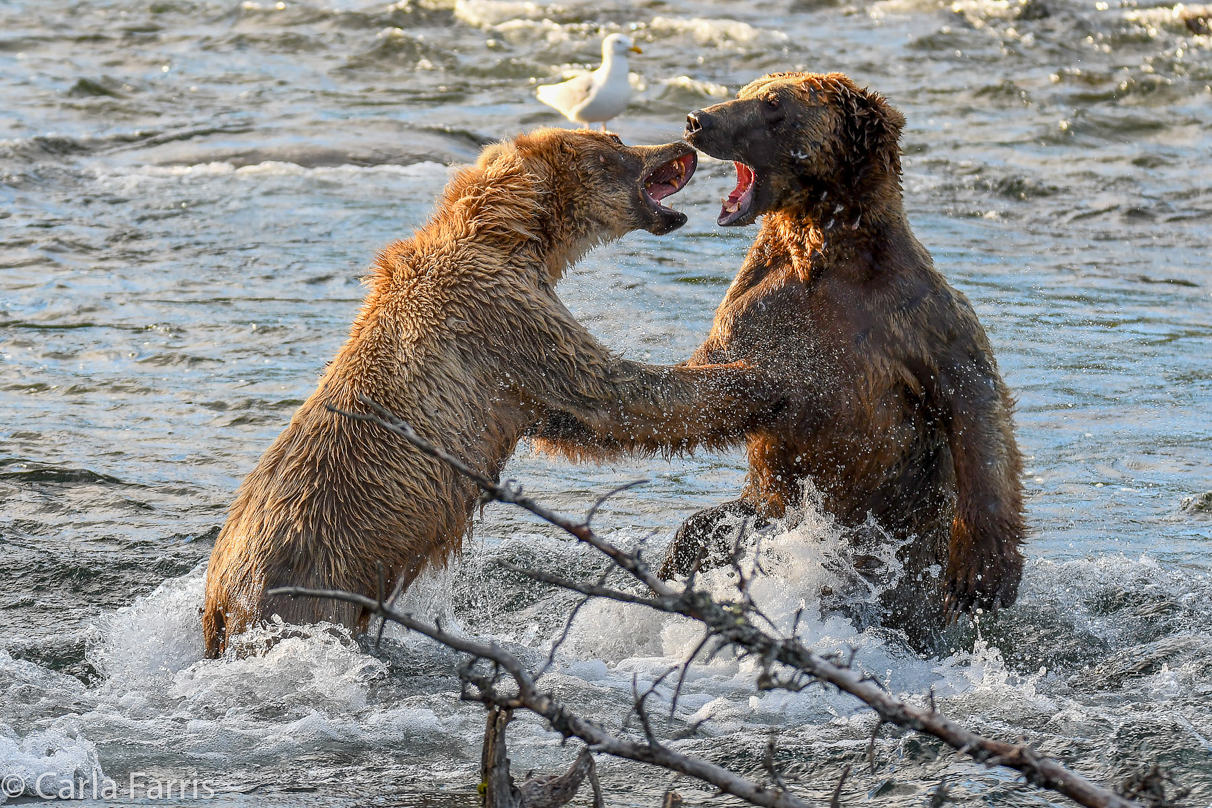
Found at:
(697, 121)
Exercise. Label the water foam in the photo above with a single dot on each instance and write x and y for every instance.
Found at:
(55, 752)
(622, 644)
(268, 168)
(314, 689)
(695, 87)
(715, 33)
(489, 13)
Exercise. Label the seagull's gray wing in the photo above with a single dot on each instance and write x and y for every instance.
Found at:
(568, 95)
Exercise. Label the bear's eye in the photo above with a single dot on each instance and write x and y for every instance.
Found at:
(772, 111)
(616, 138)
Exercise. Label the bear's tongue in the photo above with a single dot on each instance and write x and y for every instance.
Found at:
(741, 195)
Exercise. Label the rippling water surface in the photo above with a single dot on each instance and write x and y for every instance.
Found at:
(189, 192)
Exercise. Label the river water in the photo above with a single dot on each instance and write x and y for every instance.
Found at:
(190, 191)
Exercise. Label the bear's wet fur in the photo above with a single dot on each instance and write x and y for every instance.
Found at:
(896, 416)
(462, 336)
(899, 415)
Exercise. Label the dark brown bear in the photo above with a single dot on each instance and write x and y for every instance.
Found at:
(896, 415)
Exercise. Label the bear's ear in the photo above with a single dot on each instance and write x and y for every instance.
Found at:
(494, 151)
(871, 129)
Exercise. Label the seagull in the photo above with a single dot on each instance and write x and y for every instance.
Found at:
(598, 96)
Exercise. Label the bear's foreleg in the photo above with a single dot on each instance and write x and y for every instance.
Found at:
(659, 410)
(985, 560)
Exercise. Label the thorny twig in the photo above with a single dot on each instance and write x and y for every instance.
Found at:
(677, 690)
(875, 733)
(938, 797)
(772, 747)
(602, 499)
(572, 616)
(836, 800)
(729, 621)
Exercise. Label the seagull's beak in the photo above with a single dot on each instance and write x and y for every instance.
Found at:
(635, 49)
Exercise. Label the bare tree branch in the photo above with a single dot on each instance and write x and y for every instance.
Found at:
(730, 622)
(602, 499)
(544, 791)
(572, 616)
(836, 800)
(590, 590)
(875, 733)
(768, 763)
(560, 718)
(938, 797)
(677, 690)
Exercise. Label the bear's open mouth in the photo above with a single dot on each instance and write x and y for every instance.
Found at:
(739, 202)
(669, 178)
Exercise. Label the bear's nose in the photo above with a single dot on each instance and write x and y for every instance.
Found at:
(697, 121)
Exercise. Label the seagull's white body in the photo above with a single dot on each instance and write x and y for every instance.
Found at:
(598, 96)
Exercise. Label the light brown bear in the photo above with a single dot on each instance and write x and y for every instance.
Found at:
(896, 414)
(463, 336)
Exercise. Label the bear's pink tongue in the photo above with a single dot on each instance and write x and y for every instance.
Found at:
(670, 177)
(744, 184)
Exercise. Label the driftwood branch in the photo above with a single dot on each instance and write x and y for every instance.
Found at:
(729, 623)
(499, 790)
